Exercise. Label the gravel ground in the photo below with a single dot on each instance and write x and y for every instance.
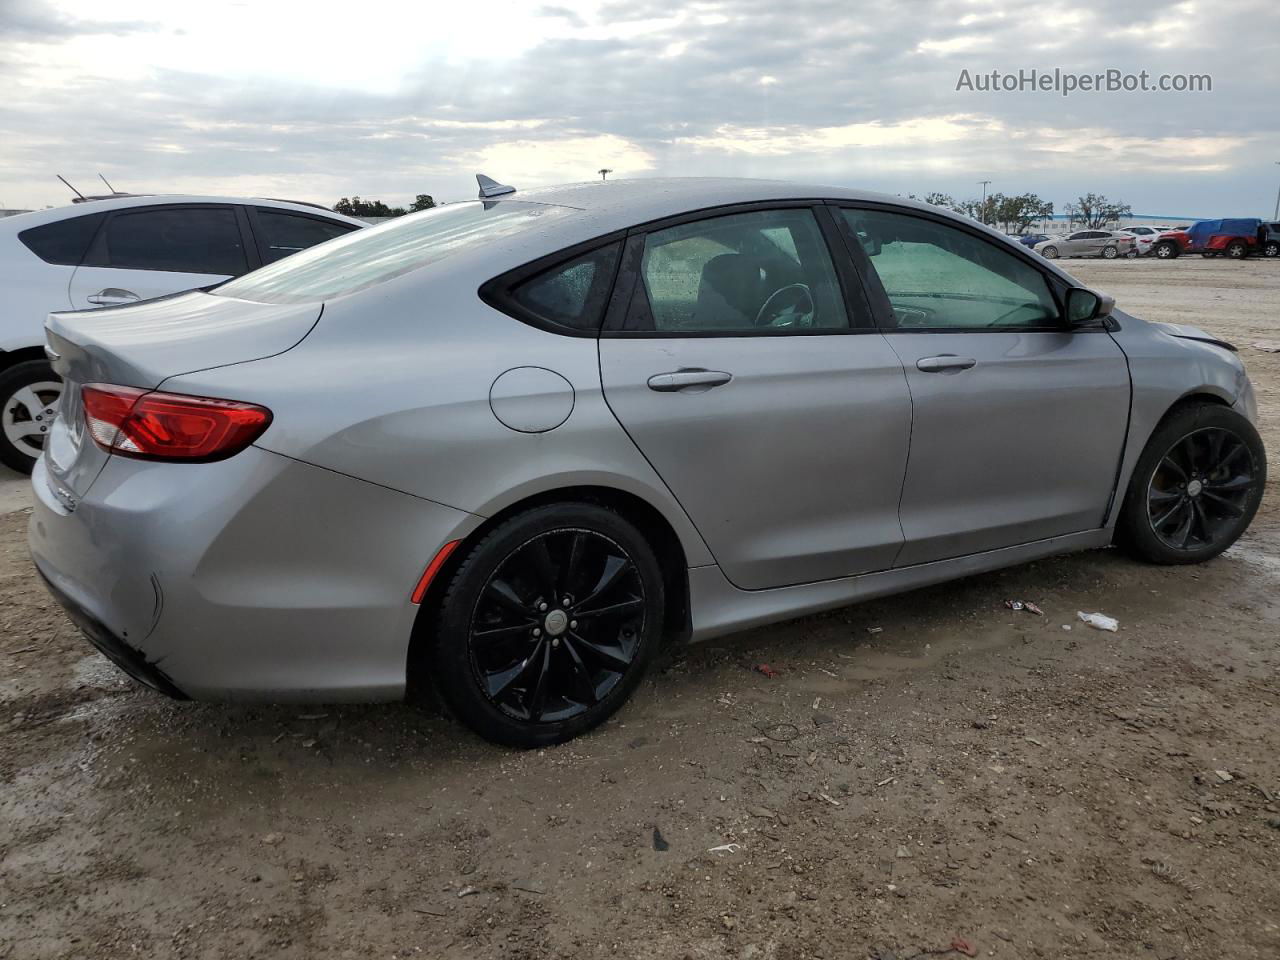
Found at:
(926, 774)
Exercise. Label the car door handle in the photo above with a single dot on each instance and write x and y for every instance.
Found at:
(683, 379)
(112, 296)
(947, 363)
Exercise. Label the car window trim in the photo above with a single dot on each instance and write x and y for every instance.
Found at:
(852, 294)
(100, 215)
(97, 253)
(497, 292)
(883, 308)
(258, 233)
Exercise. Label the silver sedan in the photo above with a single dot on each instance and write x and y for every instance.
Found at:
(1107, 244)
(504, 447)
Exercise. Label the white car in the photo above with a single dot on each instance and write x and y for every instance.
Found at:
(1144, 238)
(118, 250)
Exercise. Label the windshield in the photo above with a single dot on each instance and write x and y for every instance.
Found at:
(364, 258)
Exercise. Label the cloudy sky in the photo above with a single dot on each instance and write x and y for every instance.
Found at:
(388, 99)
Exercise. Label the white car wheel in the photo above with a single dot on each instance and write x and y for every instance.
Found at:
(28, 414)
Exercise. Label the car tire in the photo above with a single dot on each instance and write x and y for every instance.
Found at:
(1209, 254)
(1237, 250)
(1049, 253)
(517, 663)
(1272, 249)
(1195, 488)
(1166, 251)
(29, 394)
(1110, 253)
(1132, 255)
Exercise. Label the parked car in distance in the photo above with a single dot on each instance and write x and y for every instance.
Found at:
(1107, 244)
(1234, 238)
(120, 250)
(1030, 239)
(1144, 238)
(1269, 239)
(505, 447)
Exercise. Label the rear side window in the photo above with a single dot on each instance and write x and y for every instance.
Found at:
(64, 242)
(571, 294)
(282, 234)
(767, 271)
(375, 255)
(181, 240)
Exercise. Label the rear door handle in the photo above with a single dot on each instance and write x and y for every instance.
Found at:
(947, 363)
(684, 379)
(112, 296)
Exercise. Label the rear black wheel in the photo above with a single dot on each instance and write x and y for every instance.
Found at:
(1272, 249)
(1237, 250)
(548, 625)
(1110, 253)
(1195, 488)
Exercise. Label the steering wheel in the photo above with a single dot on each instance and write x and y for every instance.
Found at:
(789, 306)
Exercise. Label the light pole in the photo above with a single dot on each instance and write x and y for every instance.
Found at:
(983, 208)
(1276, 215)
(604, 172)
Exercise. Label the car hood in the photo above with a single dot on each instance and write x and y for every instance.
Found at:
(1186, 332)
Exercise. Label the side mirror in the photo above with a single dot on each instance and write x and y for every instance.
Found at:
(1085, 305)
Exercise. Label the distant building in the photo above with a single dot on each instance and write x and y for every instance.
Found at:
(1061, 223)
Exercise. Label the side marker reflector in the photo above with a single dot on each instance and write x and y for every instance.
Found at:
(433, 568)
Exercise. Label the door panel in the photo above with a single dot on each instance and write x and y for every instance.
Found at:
(1021, 446)
(738, 369)
(155, 250)
(1019, 421)
(792, 469)
(113, 285)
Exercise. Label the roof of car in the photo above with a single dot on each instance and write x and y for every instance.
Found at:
(37, 217)
(633, 201)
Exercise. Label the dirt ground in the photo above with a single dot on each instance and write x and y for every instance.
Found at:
(924, 768)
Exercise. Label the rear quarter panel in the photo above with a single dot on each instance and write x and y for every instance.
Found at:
(393, 387)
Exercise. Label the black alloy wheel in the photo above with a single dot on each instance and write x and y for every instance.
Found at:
(547, 624)
(1196, 486)
(557, 625)
(1201, 489)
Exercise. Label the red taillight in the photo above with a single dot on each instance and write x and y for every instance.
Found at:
(150, 425)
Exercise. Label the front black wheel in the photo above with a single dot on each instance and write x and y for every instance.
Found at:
(1272, 249)
(548, 624)
(1196, 487)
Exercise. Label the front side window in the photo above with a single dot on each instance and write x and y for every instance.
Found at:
(282, 234)
(938, 276)
(375, 255)
(767, 271)
(183, 240)
(571, 294)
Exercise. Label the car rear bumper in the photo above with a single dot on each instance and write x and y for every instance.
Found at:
(258, 577)
(125, 657)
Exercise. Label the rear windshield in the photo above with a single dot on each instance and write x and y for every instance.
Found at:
(368, 257)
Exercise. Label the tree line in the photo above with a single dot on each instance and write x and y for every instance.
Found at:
(1014, 214)
(359, 207)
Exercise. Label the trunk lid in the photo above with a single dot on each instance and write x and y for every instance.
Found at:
(142, 345)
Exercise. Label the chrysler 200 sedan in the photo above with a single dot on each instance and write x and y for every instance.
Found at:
(504, 447)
